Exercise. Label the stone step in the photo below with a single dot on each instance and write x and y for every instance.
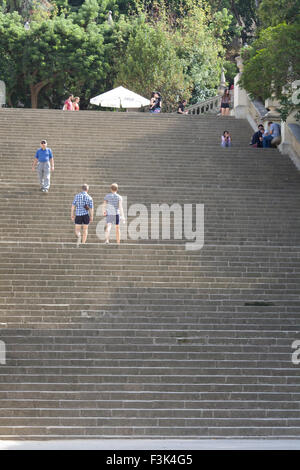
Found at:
(184, 432)
(209, 352)
(94, 423)
(129, 321)
(148, 413)
(67, 364)
(148, 383)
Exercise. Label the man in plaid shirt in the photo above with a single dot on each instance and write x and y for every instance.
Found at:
(84, 213)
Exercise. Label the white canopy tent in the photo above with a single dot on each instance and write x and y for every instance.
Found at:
(120, 97)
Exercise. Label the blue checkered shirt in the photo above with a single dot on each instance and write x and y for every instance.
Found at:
(80, 200)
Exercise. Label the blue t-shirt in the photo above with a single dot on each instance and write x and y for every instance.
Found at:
(43, 155)
(275, 129)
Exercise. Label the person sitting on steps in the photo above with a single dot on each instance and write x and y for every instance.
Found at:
(273, 137)
(257, 138)
(226, 139)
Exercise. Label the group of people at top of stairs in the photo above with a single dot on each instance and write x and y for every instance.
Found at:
(82, 203)
(71, 104)
(156, 104)
(271, 137)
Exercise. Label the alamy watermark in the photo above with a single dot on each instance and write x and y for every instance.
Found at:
(296, 93)
(159, 222)
(296, 354)
(2, 353)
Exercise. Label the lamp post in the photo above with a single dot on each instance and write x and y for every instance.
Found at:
(222, 85)
(27, 28)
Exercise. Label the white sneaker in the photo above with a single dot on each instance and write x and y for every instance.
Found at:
(106, 242)
(78, 240)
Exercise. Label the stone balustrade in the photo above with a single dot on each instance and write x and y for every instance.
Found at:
(211, 105)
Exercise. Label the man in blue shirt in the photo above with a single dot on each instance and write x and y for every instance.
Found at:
(84, 213)
(42, 160)
(273, 137)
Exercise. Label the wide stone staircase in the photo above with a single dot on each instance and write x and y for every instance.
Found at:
(147, 339)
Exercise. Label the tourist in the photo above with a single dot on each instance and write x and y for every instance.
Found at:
(155, 103)
(83, 203)
(181, 106)
(225, 103)
(273, 137)
(226, 139)
(152, 100)
(43, 160)
(112, 210)
(68, 106)
(76, 103)
(257, 138)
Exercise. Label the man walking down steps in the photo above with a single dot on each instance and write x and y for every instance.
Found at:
(43, 159)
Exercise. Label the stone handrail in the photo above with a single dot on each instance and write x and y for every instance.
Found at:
(254, 113)
(212, 105)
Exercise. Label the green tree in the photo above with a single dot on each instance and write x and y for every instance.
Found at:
(273, 61)
(12, 34)
(244, 16)
(55, 53)
(151, 63)
(178, 55)
(20, 6)
(86, 14)
(201, 50)
(274, 12)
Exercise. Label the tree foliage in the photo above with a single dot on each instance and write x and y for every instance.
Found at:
(151, 63)
(176, 47)
(273, 61)
(181, 55)
(50, 53)
(274, 12)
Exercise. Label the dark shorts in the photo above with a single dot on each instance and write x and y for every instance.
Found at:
(82, 219)
(225, 105)
(113, 219)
